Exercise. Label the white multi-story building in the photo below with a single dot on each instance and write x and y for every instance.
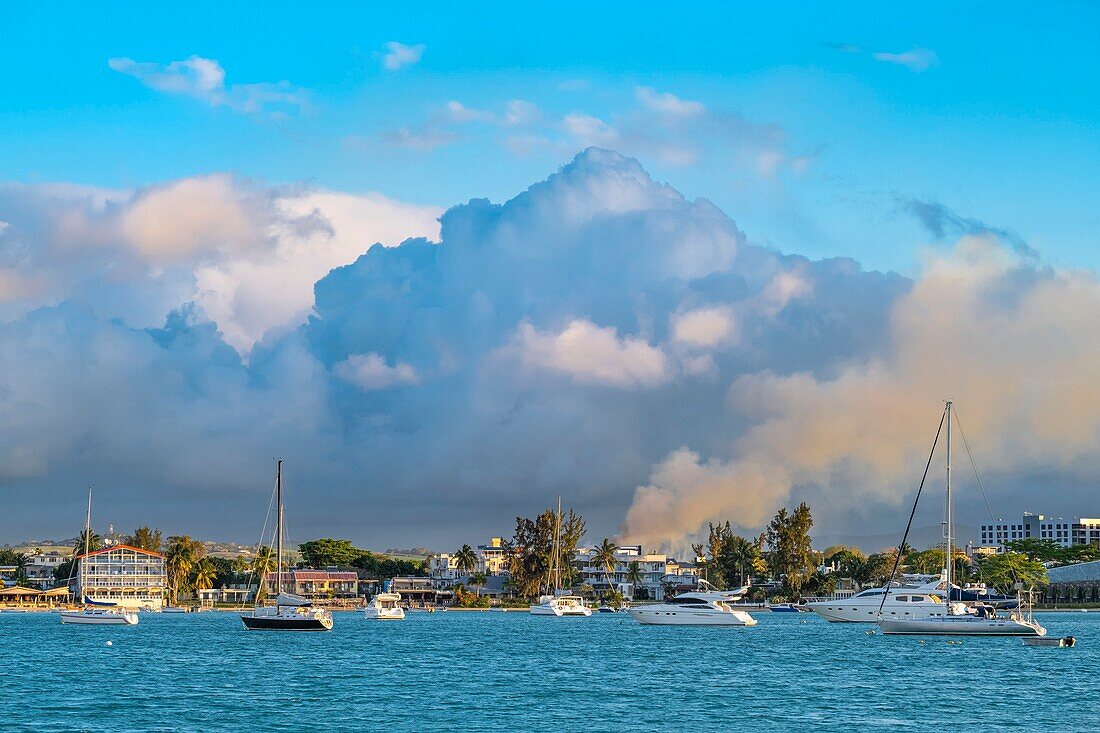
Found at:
(492, 559)
(1063, 532)
(123, 575)
(41, 566)
(657, 570)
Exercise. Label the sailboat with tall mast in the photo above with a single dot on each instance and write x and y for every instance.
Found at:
(290, 612)
(957, 618)
(558, 602)
(94, 613)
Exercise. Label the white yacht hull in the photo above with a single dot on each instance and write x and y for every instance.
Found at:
(961, 626)
(383, 614)
(677, 616)
(99, 618)
(867, 613)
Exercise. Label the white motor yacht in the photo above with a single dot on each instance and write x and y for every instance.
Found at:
(896, 602)
(695, 608)
(384, 607)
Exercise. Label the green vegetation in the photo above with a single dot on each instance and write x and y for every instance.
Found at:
(327, 552)
(1050, 551)
(1004, 570)
(790, 555)
(478, 580)
(466, 559)
(182, 556)
(531, 549)
(466, 599)
(144, 538)
(730, 560)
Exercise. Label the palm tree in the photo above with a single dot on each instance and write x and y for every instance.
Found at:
(605, 557)
(182, 555)
(95, 542)
(466, 559)
(744, 554)
(262, 565)
(205, 575)
(634, 574)
(478, 580)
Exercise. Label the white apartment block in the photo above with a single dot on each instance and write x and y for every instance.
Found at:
(492, 559)
(1064, 532)
(123, 575)
(656, 569)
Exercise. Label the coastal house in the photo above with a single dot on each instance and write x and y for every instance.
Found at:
(317, 583)
(657, 570)
(492, 559)
(42, 565)
(413, 589)
(124, 575)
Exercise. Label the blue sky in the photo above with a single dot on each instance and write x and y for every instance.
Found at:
(1007, 90)
(676, 266)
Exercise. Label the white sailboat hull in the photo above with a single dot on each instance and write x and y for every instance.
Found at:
(561, 606)
(961, 626)
(673, 615)
(99, 618)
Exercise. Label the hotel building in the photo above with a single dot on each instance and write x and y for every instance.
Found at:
(123, 575)
(1063, 532)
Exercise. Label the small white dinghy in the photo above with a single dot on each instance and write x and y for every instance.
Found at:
(1064, 641)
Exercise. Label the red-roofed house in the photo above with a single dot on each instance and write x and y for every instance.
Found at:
(317, 583)
(123, 575)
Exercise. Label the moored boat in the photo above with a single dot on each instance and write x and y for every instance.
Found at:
(955, 618)
(290, 612)
(695, 608)
(384, 607)
(95, 613)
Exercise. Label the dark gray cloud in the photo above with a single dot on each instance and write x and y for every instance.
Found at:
(941, 221)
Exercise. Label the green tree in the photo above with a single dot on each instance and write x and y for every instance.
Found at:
(876, 569)
(532, 548)
(466, 559)
(95, 542)
(327, 552)
(927, 562)
(635, 576)
(263, 564)
(144, 538)
(1003, 571)
(604, 557)
(847, 561)
(790, 555)
(478, 581)
(206, 572)
(181, 557)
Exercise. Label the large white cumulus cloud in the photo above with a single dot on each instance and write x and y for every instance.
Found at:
(598, 336)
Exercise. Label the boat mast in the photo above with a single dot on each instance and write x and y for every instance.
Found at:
(557, 550)
(279, 529)
(87, 541)
(949, 518)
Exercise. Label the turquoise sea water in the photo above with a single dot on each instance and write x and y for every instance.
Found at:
(514, 672)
